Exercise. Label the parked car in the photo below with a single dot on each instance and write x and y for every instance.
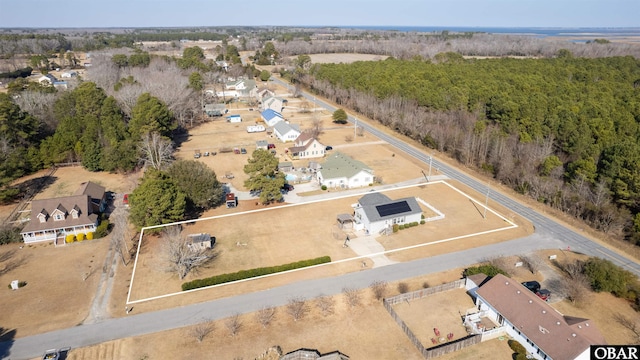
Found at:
(544, 294)
(328, 148)
(206, 153)
(287, 187)
(271, 146)
(533, 286)
(125, 200)
(243, 151)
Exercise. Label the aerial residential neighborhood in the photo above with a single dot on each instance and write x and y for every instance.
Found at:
(212, 194)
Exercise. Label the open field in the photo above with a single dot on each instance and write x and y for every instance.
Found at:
(246, 241)
(61, 283)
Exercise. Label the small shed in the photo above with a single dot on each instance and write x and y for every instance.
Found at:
(285, 166)
(345, 221)
(231, 200)
(200, 241)
(262, 144)
(234, 118)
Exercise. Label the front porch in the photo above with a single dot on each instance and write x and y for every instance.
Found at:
(57, 236)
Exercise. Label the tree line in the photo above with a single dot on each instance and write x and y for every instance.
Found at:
(564, 131)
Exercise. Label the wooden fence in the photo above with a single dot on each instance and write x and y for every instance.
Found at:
(419, 294)
(437, 350)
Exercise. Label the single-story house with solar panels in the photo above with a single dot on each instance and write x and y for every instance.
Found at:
(376, 212)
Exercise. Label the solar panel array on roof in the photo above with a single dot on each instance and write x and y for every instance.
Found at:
(393, 208)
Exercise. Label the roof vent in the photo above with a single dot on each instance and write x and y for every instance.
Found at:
(586, 324)
(558, 323)
(518, 291)
(579, 326)
(543, 311)
(574, 335)
(506, 283)
(530, 301)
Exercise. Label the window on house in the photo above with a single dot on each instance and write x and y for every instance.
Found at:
(58, 217)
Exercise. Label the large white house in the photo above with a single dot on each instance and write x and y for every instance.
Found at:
(376, 212)
(521, 314)
(286, 132)
(306, 146)
(54, 219)
(342, 171)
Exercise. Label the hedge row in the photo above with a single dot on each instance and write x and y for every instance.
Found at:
(80, 237)
(397, 227)
(251, 273)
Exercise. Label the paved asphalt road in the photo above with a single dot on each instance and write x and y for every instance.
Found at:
(549, 234)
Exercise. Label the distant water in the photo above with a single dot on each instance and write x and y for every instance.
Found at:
(533, 31)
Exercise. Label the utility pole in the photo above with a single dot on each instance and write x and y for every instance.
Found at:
(486, 201)
(430, 162)
(355, 129)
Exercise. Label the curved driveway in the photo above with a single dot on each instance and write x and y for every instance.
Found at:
(549, 234)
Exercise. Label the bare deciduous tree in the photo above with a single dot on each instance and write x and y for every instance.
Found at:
(233, 325)
(629, 324)
(316, 125)
(156, 150)
(200, 331)
(531, 263)
(348, 138)
(360, 131)
(297, 308)
(379, 289)
(576, 291)
(325, 304)
(351, 296)
(181, 257)
(266, 315)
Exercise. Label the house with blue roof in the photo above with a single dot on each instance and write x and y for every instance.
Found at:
(271, 117)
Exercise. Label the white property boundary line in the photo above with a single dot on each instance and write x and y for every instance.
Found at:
(511, 226)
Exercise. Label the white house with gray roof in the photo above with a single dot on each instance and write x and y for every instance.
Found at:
(286, 132)
(376, 212)
(342, 171)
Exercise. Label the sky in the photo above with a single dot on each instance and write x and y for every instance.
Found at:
(454, 13)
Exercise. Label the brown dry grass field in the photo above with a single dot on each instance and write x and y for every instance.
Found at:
(304, 231)
(56, 296)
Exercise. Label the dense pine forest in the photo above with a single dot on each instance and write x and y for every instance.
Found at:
(563, 130)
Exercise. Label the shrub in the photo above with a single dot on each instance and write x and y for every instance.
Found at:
(608, 277)
(401, 227)
(323, 187)
(403, 287)
(251, 273)
(517, 347)
(103, 229)
(395, 228)
(70, 238)
(90, 235)
(9, 234)
(422, 222)
(488, 269)
(80, 237)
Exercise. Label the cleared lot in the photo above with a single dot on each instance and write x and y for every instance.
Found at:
(285, 234)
